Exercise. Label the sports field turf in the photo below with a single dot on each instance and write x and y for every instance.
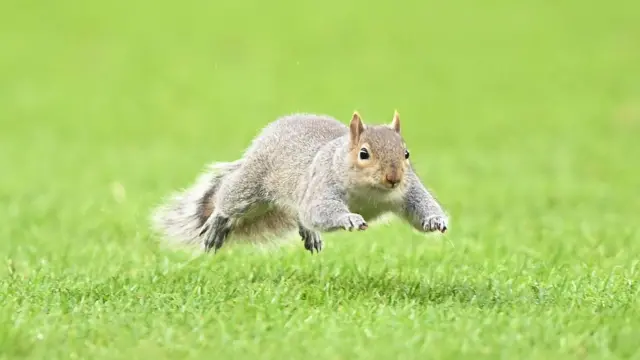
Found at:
(523, 117)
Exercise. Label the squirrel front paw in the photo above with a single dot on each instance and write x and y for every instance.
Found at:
(435, 223)
(352, 221)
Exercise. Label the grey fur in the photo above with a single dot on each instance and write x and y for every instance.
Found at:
(299, 174)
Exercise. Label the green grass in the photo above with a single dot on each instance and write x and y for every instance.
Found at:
(523, 117)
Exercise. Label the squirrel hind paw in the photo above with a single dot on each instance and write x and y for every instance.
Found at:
(215, 232)
(311, 239)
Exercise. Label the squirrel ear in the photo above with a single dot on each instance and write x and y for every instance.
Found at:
(395, 123)
(356, 127)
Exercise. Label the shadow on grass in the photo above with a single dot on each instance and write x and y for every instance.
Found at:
(393, 290)
(288, 286)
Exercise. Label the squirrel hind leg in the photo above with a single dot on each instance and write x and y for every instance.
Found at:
(258, 225)
(242, 211)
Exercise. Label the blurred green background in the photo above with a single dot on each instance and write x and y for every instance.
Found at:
(523, 117)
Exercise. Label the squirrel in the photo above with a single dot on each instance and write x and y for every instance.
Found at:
(304, 172)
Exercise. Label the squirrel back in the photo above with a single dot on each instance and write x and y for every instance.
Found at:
(292, 169)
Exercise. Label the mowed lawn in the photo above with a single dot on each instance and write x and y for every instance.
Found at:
(522, 117)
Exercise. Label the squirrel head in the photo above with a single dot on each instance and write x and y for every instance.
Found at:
(378, 154)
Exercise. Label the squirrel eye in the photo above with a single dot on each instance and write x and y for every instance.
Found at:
(364, 154)
(406, 154)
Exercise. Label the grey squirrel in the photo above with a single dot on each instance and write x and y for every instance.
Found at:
(303, 172)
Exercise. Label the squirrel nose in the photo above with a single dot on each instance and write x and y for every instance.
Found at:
(392, 179)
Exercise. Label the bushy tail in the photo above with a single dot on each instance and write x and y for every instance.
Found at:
(183, 213)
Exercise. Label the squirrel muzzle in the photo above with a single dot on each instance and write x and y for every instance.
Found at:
(392, 178)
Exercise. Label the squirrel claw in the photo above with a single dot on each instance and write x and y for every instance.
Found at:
(354, 221)
(204, 229)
